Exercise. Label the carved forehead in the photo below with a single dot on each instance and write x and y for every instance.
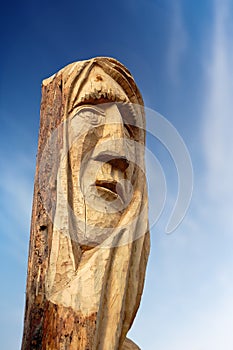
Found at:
(97, 85)
(100, 80)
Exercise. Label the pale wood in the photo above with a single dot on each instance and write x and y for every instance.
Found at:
(129, 345)
(86, 267)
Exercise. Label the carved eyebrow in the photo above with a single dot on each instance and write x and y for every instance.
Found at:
(91, 108)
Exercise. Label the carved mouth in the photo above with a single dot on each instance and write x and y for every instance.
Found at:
(109, 189)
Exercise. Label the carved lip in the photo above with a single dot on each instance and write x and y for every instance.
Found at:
(113, 188)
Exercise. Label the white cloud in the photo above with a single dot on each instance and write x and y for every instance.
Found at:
(11, 325)
(16, 199)
(193, 267)
(177, 44)
(218, 118)
(211, 329)
(16, 184)
(188, 299)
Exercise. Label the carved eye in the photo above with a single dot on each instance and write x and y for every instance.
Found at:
(92, 115)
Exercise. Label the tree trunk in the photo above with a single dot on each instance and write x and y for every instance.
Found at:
(53, 326)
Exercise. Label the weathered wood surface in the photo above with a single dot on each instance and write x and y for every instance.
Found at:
(83, 294)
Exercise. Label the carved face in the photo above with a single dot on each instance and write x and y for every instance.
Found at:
(108, 164)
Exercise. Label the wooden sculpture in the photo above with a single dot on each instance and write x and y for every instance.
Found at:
(89, 231)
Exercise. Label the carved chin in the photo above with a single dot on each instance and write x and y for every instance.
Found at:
(104, 205)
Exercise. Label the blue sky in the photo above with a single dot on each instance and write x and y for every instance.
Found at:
(180, 53)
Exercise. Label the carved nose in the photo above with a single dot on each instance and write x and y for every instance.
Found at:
(115, 160)
(119, 163)
(114, 134)
(118, 130)
(113, 148)
(114, 129)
